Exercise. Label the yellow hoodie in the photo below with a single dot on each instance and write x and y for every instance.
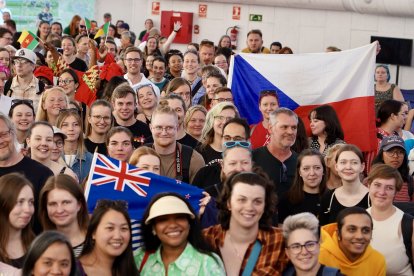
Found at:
(371, 263)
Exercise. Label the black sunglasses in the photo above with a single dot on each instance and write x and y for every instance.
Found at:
(21, 101)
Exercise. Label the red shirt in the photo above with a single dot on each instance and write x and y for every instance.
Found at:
(259, 136)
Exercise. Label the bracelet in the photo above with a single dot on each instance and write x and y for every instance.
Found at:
(175, 31)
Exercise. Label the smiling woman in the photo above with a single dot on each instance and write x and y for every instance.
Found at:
(172, 231)
(245, 233)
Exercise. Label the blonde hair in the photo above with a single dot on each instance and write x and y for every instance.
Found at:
(41, 114)
(164, 108)
(141, 151)
(208, 129)
(190, 112)
(62, 117)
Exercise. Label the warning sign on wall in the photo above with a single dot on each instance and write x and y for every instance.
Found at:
(202, 10)
(155, 8)
(236, 12)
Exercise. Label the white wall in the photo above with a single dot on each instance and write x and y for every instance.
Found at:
(301, 29)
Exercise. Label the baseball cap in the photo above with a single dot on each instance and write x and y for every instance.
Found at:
(168, 205)
(26, 54)
(390, 142)
(57, 130)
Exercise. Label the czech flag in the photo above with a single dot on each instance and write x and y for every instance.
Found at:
(344, 80)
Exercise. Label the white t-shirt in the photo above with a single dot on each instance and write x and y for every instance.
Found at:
(5, 104)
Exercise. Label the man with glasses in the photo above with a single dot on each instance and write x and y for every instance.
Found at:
(221, 94)
(133, 65)
(177, 161)
(24, 85)
(276, 158)
(236, 129)
(124, 103)
(13, 161)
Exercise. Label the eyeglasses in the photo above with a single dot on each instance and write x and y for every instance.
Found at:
(227, 138)
(133, 60)
(58, 143)
(397, 153)
(5, 135)
(65, 82)
(15, 102)
(107, 203)
(9, 38)
(222, 118)
(161, 128)
(232, 144)
(221, 100)
(283, 175)
(296, 248)
(98, 118)
(82, 26)
(20, 61)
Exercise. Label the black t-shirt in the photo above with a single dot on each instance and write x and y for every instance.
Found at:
(311, 203)
(91, 146)
(330, 207)
(275, 170)
(79, 65)
(141, 131)
(189, 140)
(37, 174)
(207, 176)
(210, 155)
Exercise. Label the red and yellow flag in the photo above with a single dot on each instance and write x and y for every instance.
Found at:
(28, 40)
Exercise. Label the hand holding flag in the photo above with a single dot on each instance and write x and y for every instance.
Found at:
(28, 40)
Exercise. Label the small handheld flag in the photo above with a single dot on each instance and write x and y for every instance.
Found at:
(28, 40)
(88, 25)
(103, 30)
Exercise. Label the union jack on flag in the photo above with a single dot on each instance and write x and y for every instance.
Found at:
(116, 180)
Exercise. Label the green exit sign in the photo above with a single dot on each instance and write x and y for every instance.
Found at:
(255, 17)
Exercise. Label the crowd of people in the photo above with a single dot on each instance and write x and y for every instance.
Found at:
(275, 201)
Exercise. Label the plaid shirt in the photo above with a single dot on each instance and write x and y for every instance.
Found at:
(31, 92)
(272, 259)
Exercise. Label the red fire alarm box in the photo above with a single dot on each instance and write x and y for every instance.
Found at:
(168, 18)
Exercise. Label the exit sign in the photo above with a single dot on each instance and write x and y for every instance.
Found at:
(255, 17)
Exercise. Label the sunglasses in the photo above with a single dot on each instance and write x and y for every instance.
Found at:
(268, 92)
(21, 101)
(232, 144)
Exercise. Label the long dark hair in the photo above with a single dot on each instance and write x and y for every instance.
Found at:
(296, 193)
(403, 169)
(333, 127)
(302, 141)
(386, 109)
(252, 178)
(10, 187)
(41, 244)
(152, 242)
(123, 264)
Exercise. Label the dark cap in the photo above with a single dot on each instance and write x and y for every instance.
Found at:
(390, 142)
(124, 26)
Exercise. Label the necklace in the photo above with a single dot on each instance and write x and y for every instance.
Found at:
(234, 248)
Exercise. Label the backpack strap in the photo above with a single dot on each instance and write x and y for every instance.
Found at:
(186, 153)
(144, 260)
(196, 88)
(407, 233)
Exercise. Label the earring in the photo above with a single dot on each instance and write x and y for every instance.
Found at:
(153, 232)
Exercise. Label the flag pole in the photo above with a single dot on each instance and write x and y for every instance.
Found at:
(106, 35)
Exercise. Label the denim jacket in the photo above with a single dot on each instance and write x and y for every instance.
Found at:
(82, 166)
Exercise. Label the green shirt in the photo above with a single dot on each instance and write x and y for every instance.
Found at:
(191, 262)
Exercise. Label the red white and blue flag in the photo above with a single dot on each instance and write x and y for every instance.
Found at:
(116, 180)
(344, 80)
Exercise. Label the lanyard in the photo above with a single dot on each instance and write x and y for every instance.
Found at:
(178, 162)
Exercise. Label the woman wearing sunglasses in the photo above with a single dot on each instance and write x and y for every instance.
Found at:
(268, 102)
